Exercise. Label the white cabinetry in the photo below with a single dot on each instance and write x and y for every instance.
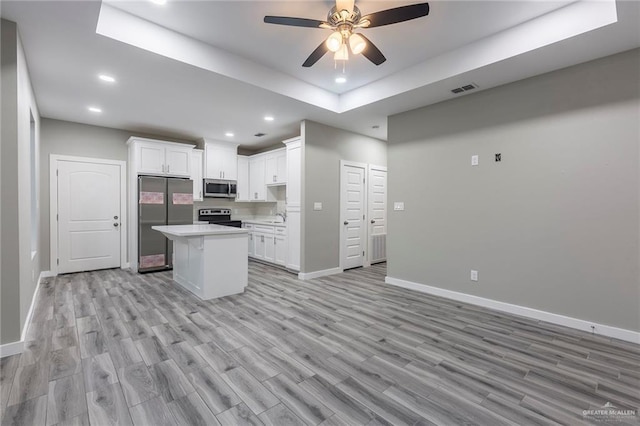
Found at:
(196, 173)
(267, 242)
(276, 167)
(243, 178)
(159, 158)
(280, 246)
(249, 228)
(220, 160)
(294, 198)
(257, 186)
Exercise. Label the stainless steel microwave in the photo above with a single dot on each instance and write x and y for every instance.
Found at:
(217, 188)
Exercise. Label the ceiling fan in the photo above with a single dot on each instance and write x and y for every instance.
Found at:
(343, 19)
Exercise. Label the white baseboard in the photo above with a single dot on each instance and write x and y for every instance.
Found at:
(13, 348)
(125, 266)
(17, 347)
(318, 274)
(605, 330)
(27, 320)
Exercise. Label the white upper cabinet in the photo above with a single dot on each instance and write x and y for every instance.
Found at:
(257, 187)
(243, 178)
(294, 172)
(220, 160)
(159, 158)
(178, 160)
(196, 173)
(276, 167)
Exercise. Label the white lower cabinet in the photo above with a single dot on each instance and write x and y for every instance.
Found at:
(280, 250)
(267, 243)
(259, 246)
(269, 248)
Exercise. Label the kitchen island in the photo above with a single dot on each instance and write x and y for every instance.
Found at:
(209, 260)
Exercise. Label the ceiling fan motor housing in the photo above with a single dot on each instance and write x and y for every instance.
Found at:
(336, 17)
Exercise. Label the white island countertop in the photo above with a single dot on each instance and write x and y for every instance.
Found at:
(198, 230)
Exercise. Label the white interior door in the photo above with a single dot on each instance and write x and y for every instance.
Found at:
(89, 223)
(377, 213)
(352, 204)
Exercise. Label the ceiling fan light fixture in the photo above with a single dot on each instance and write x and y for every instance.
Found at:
(357, 43)
(342, 54)
(334, 42)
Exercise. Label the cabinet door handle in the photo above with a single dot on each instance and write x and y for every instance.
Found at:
(262, 239)
(163, 168)
(168, 168)
(200, 194)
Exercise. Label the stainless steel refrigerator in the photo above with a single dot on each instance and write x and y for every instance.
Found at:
(161, 201)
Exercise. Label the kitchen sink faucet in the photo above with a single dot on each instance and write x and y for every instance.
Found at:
(283, 215)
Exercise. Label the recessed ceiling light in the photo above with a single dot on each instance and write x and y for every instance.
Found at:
(229, 134)
(268, 118)
(160, 2)
(107, 78)
(341, 80)
(94, 109)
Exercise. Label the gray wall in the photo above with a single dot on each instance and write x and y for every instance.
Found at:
(9, 271)
(324, 147)
(555, 225)
(19, 269)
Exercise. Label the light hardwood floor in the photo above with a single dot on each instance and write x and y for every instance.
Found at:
(109, 347)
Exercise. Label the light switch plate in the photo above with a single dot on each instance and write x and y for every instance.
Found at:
(317, 206)
(474, 160)
(398, 205)
(474, 275)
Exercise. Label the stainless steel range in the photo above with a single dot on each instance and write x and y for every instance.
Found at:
(218, 217)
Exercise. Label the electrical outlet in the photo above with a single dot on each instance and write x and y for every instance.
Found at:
(317, 206)
(474, 160)
(474, 275)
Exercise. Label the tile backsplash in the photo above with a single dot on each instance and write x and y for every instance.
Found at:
(245, 210)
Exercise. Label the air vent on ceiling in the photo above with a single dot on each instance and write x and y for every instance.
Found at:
(259, 135)
(464, 88)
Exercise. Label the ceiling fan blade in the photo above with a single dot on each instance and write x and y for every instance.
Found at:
(295, 22)
(395, 15)
(372, 53)
(345, 5)
(316, 55)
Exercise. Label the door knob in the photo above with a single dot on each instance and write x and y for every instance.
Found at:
(346, 223)
(116, 224)
(373, 221)
(115, 217)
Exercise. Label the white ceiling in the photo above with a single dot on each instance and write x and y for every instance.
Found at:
(192, 69)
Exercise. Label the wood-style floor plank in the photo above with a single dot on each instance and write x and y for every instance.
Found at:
(111, 347)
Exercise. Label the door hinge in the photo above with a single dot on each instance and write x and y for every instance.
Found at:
(56, 172)
(363, 253)
(57, 217)
(58, 261)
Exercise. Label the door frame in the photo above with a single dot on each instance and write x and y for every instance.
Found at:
(53, 205)
(363, 166)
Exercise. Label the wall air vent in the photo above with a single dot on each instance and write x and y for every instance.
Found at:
(259, 135)
(464, 88)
